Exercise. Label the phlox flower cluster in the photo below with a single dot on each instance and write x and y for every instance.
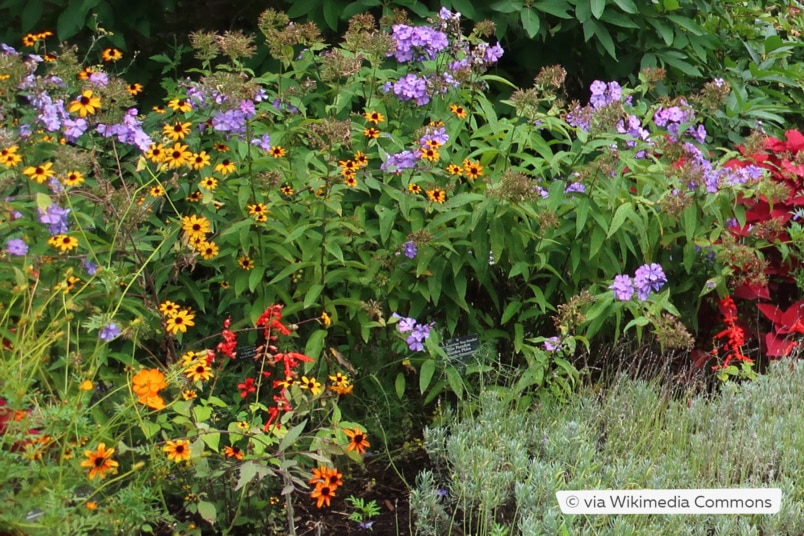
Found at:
(605, 93)
(715, 178)
(418, 332)
(399, 161)
(647, 278)
(410, 87)
(55, 217)
(672, 117)
(418, 43)
(128, 131)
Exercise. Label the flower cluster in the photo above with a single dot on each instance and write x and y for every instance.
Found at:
(647, 278)
(418, 332)
(417, 43)
(146, 384)
(177, 318)
(327, 481)
(733, 334)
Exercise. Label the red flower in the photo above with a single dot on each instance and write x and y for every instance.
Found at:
(246, 387)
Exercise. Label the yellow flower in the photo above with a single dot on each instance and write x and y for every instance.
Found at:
(63, 242)
(73, 178)
(86, 104)
(156, 153)
(168, 308)
(233, 452)
(414, 188)
(325, 319)
(91, 505)
(39, 174)
(286, 189)
(180, 321)
(472, 169)
(111, 54)
(360, 159)
(195, 226)
(350, 181)
(312, 384)
(371, 133)
(208, 183)
(180, 105)
(178, 156)
(244, 426)
(156, 191)
(374, 117)
(178, 450)
(257, 208)
(437, 194)
(188, 394)
(200, 160)
(225, 166)
(86, 385)
(9, 156)
(430, 154)
(194, 197)
(177, 131)
(99, 461)
(208, 250)
(245, 263)
(357, 440)
(453, 169)
(135, 88)
(277, 151)
(199, 372)
(458, 110)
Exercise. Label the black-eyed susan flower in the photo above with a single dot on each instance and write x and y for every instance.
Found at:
(200, 160)
(323, 494)
(84, 73)
(156, 191)
(86, 104)
(277, 151)
(312, 384)
(72, 178)
(180, 321)
(199, 372)
(257, 208)
(372, 133)
(458, 110)
(9, 156)
(208, 183)
(111, 54)
(233, 452)
(177, 451)
(180, 105)
(29, 40)
(348, 165)
(168, 308)
(430, 154)
(360, 159)
(454, 169)
(99, 461)
(178, 156)
(374, 117)
(176, 131)
(63, 242)
(243, 426)
(194, 197)
(414, 188)
(195, 225)
(221, 147)
(156, 153)
(158, 109)
(245, 263)
(357, 440)
(188, 394)
(348, 172)
(40, 173)
(261, 218)
(134, 88)
(207, 250)
(286, 189)
(225, 166)
(472, 169)
(437, 195)
(350, 181)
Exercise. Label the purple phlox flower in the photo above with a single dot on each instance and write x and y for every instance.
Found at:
(99, 79)
(409, 249)
(16, 246)
(51, 113)
(89, 266)
(109, 332)
(647, 278)
(405, 323)
(247, 107)
(194, 93)
(417, 43)
(399, 161)
(263, 142)
(622, 287)
(233, 121)
(447, 15)
(366, 525)
(410, 87)
(7, 50)
(74, 128)
(260, 95)
(441, 493)
(552, 344)
(439, 135)
(580, 117)
(604, 93)
(129, 131)
(56, 219)
(578, 187)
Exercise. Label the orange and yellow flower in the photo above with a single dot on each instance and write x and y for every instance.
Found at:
(86, 104)
(180, 321)
(111, 54)
(63, 242)
(99, 462)
(177, 451)
(357, 440)
(40, 173)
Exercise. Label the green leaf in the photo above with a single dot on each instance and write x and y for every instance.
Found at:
(622, 212)
(315, 343)
(291, 437)
(387, 219)
(557, 8)
(664, 30)
(510, 310)
(426, 374)
(627, 5)
(671, 5)
(583, 12)
(598, 7)
(31, 15)
(212, 440)
(507, 6)
(332, 10)
(399, 385)
(70, 22)
(455, 382)
(530, 21)
(207, 511)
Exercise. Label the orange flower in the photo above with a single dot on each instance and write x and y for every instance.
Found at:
(233, 452)
(323, 494)
(99, 461)
(146, 384)
(357, 440)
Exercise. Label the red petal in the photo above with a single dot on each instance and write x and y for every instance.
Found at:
(771, 312)
(777, 346)
(795, 140)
